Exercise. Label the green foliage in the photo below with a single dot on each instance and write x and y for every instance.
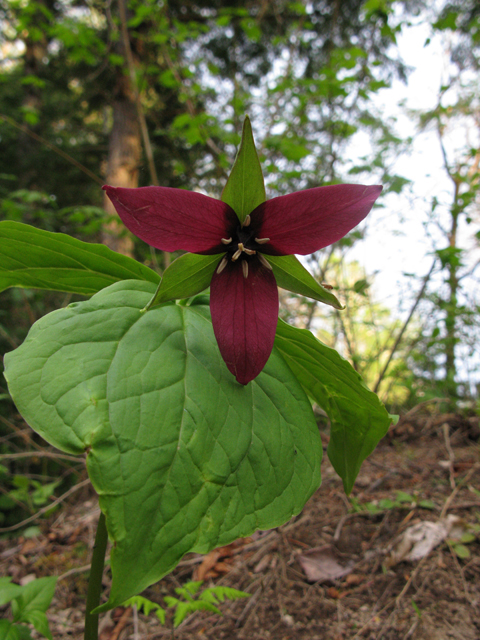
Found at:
(233, 458)
(147, 606)
(190, 599)
(206, 600)
(358, 418)
(459, 546)
(30, 257)
(402, 500)
(29, 604)
(27, 491)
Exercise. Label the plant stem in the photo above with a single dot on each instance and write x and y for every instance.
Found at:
(95, 580)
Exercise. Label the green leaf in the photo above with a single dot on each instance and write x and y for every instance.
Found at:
(8, 591)
(182, 457)
(147, 605)
(461, 551)
(185, 277)
(290, 274)
(184, 609)
(467, 538)
(30, 257)
(402, 496)
(189, 589)
(39, 621)
(427, 504)
(219, 593)
(358, 418)
(245, 188)
(36, 596)
(11, 631)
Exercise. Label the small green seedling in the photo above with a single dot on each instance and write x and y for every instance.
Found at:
(401, 501)
(189, 601)
(459, 547)
(29, 604)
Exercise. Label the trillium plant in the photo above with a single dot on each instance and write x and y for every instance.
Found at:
(194, 413)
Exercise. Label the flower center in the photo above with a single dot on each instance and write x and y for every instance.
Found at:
(242, 246)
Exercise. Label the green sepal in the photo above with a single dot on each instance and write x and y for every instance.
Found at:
(290, 274)
(38, 259)
(358, 418)
(185, 277)
(245, 188)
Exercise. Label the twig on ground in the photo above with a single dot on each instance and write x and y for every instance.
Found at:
(376, 614)
(453, 495)
(40, 512)
(71, 572)
(412, 630)
(408, 584)
(121, 624)
(462, 577)
(451, 455)
(253, 603)
(135, 623)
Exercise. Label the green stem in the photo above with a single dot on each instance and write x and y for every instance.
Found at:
(95, 580)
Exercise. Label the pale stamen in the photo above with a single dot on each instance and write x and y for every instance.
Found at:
(247, 221)
(236, 255)
(226, 240)
(262, 240)
(240, 246)
(222, 264)
(265, 262)
(250, 252)
(245, 268)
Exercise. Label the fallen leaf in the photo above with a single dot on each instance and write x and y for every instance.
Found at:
(322, 564)
(354, 578)
(263, 563)
(417, 541)
(209, 561)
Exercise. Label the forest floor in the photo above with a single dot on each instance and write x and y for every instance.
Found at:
(335, 572)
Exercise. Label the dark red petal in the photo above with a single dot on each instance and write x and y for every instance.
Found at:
(244, 317)
(173, 219)
(306, 221)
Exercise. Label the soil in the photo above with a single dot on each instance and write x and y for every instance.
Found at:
(432, 457)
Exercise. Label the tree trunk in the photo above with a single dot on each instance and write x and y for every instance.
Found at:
(451, 309)
(124, 157)
(34, 56)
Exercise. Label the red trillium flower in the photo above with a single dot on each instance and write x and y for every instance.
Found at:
(243, 290)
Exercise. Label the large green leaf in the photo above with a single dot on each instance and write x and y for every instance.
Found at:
(245, 188)
(358, 418)
(185, 277)
(182, 456)
(290, 274)
(30, 257)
